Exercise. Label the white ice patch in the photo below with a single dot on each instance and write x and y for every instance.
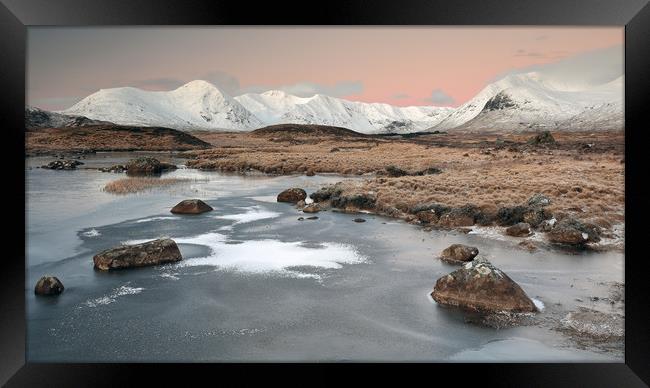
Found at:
(92, 233)
(585, 236)
(155, 219)
(269, 256)
(112, 297)
(539, 304)
(308, 200)
(253, 213)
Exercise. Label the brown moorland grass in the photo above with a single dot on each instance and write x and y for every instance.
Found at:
(138, 184)
(583, 174)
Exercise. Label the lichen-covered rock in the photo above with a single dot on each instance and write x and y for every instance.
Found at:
(48, 285)
(326, 193)
(521, 229)
(358, 201)
(191, 206)
(154, 252)
(458, 253)
(146, 165)
(535, 216)
(479, 286)
(292, 195)
(63, 165)
(570, 231)
(428, 217)
(311, 208)
(458, 217)
(511, 215)
(539, 200)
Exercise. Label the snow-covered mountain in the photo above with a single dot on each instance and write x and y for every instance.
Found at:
(276, 107)
(195, 105)
(517, 102)
(530, 101)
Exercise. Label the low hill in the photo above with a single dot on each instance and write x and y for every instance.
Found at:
(306, 130)
(109, 137)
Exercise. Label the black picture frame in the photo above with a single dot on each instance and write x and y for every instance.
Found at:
(17, 15)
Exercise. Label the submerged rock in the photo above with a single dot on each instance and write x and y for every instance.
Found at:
(48, 285)
(191, 206)
(359, 220)
(293, 195)
(594, 324)
(479, 286)
(154, 252)
(458, 254)
(114, 168)
(521, 229)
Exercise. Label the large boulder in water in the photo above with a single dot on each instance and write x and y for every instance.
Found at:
(154, 252)
(191, 206)
(479, 286)
(48, 285)
(292, 195)
(147, 165)
(458, 254)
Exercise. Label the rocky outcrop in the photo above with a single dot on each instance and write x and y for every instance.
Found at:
(191, 206)
(154, 252)
(146, 165)
(521, 229)
(458, 217)
(63, 165)
(542, 138)
(356, 201)
(327, 192)
(570, 231)
(479, 286)
(293, 195)
(458, 254)
(48, 285)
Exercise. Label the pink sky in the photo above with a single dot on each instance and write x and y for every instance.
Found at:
(396, 65)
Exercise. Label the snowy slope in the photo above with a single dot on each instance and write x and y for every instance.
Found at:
(195, 105)
(275, 107)
(533, 101)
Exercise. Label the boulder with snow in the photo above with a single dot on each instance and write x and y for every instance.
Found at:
(154, 252)
(479, 286)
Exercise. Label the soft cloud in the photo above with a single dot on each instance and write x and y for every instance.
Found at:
(439, 97)
(588, 68)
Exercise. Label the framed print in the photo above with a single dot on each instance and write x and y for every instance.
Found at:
(413, 183)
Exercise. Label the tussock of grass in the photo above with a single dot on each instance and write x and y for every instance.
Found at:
(138, 184)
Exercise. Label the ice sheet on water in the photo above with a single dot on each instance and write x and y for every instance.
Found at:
(253, 213)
